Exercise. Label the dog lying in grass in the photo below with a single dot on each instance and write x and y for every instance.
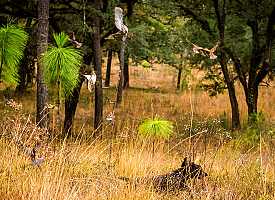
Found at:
(172, 181)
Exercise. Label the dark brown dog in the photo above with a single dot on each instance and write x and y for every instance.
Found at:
(175, 180)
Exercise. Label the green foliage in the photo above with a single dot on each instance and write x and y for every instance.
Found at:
(156, 128)
(62, 63)
(145, 64)
(210, 128)
(224, 120)
(186, 78)
(184, 84)
(248, 138)
(256, 120)
(213, 83)
(149, 34)
(13, 41)
(252, 134)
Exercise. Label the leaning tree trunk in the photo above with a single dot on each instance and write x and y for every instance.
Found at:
(108, 68)
(98, 116)
(70, 108)
(42, 44)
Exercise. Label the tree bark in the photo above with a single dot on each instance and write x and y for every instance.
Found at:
(22, 72)
(108, 68)
(259, 69)
(42, 116)
(23, 68)
(179, 78)
(235, 114)
(121, 75)
(253, 84)
(98, 116)
(252, 102)
(130, 7)
(70, 108)
(126, 83)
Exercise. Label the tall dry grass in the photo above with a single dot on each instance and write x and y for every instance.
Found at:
(78, 169)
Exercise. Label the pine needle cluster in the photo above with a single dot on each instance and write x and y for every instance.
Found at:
(156, 128)
(62, 63)
(13, 41)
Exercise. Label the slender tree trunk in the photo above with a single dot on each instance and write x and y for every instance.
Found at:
(42, 93)
(70, 108)
(98, 118)
(23, 68)
(179, 78)
(21, 87)
(121, 74)
(126, 83)
(235, 114)
(221, 14)
(108, 68)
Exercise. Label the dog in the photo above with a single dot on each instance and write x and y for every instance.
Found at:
(172, 181)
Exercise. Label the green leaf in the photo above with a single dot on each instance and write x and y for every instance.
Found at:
(13, 41)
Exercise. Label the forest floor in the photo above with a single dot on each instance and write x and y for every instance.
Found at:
(241, 165)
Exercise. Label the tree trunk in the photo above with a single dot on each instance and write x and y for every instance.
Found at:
(42, 117)
(108, 68)
(252, 102)
(70, 108)
(22, 72)
(121, 74)
(179, 78)
(24, 66)
(126, 83)
(252, 90)
(235, 114)
(130, 7)
(98, 117)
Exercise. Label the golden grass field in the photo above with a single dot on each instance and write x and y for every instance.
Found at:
(88, 168)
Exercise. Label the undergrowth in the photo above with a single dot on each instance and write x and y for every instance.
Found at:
(75, 168)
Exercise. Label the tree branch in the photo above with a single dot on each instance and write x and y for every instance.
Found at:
(237, 66)
(266, 68)
(204, 23)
